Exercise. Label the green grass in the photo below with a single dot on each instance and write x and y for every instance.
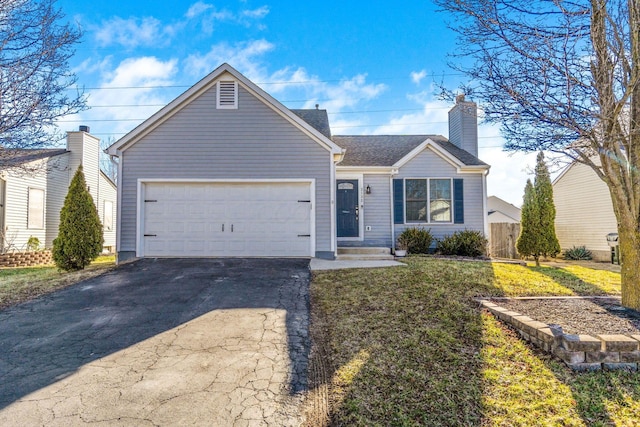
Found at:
(518, 280)
(409, 346)
(23, 283)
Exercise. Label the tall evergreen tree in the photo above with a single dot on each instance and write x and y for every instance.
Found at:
(80, 236)
(527, 243)
(537, 223)
(549, 245)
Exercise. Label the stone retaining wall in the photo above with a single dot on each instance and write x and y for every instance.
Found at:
(579, 352)
(25, 259)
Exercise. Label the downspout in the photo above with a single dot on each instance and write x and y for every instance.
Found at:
(119, 207)
(393, 224)
(485, 215)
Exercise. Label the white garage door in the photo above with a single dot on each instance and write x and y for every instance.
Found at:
(227, 219)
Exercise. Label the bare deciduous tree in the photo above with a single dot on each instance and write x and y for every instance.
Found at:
(564, 77)
(35, 47)
(108, 164)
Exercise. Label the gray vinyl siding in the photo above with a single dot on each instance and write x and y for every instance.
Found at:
(16, 210)
(463, 127)
(430, 165)
(377, 211)
(57, 189)
(584, 211)
(202, 142)
(85, 151)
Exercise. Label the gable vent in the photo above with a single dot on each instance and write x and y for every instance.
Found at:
(227, 94)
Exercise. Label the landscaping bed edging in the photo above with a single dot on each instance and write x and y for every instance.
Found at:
(25, 259)
(579, 352)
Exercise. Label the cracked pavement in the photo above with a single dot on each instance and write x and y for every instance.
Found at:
(162, 342)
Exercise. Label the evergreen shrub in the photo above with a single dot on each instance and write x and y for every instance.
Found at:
(80, 236)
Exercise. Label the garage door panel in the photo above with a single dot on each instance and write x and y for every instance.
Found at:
(227, 219)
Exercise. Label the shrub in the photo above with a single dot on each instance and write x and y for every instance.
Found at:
(578, 253)
(33, 244)
(80, 237)
(415, 240)
(463, 243)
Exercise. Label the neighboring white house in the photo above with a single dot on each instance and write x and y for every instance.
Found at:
(227, 170)
(584, 211)
(502, 211)
(34, 186)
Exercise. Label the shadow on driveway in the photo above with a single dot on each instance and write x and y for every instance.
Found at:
(50, 338)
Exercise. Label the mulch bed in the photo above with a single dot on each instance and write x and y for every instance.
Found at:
(578, 315)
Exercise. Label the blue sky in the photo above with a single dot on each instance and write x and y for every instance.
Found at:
(375, 68)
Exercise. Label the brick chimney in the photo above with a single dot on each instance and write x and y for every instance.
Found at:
(463, 125)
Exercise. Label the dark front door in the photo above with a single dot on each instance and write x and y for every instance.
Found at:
(347, 208)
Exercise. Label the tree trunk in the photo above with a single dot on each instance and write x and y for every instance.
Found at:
(629, 240)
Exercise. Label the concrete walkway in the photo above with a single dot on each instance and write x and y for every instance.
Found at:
(323, 264)
(161, 343)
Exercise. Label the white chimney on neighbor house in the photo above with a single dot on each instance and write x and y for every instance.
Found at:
(463, 125)
(85, 151)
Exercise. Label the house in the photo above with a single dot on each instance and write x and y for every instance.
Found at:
(227, 170)
(35, 183)
(584, 211)
(501, 211)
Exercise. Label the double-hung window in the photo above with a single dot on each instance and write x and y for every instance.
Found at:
(107, 217)
(428, 200)
(439, 200)
(35, 210)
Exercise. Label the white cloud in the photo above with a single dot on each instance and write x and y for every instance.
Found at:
(197, 9)
(348, 92)
(210, 16)
(132, 32)
(149, 31)
(509, 173)
(431, 119)
(242, 56)
(417, 76)
(509, 170)
(132, 82)
(258, 13)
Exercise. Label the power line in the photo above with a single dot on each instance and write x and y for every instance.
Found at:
(331, 114)
(292, 82)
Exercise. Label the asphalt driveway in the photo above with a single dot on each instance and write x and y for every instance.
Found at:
(162, 342)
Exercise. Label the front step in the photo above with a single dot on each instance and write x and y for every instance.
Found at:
(364, 253)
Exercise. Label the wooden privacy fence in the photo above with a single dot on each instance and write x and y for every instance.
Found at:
(502, 240)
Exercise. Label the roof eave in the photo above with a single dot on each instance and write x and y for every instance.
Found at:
(368, 169)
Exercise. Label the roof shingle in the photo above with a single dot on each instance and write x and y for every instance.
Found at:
(318, 119)
(20, 156)
(387, 150)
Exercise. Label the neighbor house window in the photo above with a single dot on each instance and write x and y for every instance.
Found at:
(428, 200)
(107, 217)
(35, 214)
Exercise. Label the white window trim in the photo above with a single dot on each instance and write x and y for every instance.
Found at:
(40, 225)
(233, 106)
(428, 222)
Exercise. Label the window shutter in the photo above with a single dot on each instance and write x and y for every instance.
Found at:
(458, 201)
(227, 94)
(398, 201)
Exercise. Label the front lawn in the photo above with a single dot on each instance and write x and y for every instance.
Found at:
(409, 346)
(20, 284)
